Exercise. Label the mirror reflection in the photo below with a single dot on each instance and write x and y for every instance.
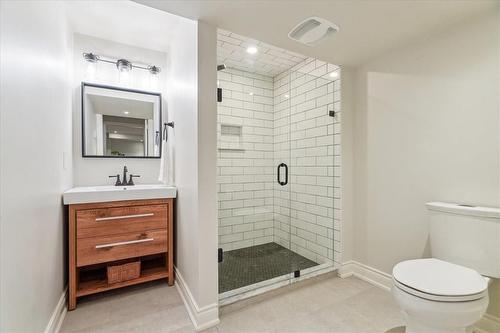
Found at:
(120, 122)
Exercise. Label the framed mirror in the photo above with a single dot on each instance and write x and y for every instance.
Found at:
(120, 123)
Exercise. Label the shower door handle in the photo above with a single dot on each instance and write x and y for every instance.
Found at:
(281, 165)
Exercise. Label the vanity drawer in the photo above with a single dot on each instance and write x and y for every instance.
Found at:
(94, 250)
(119, 220)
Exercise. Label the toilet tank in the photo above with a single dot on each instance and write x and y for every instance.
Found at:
(466, 235)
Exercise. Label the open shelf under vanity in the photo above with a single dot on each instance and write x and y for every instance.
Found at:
(93, 279)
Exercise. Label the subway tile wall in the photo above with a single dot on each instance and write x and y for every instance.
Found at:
(245, 159)
(263, 121)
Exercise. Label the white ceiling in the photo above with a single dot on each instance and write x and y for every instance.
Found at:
(367, 28)
(269, 60)
(124, 22)
(112, 106)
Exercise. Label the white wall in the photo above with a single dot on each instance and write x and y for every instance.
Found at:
(207, 166)
(95, 171)
(182, 99)
(427, 127)
(191, 97)
(35, 132)
(347, 159)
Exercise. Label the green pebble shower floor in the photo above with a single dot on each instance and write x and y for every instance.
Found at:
(258, 263)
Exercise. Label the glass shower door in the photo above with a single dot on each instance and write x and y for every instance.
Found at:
(315, 153)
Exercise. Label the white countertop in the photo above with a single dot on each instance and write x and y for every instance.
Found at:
(93, 194)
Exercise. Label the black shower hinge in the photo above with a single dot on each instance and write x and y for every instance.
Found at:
(220, 255)
(219, 94)
(296, 274)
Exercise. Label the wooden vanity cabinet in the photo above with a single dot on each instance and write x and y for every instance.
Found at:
(134, 233)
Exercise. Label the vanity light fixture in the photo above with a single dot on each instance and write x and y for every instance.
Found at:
(252, 50)
(123, 65)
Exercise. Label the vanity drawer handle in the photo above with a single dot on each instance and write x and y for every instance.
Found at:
(123, 217)
(124, 243)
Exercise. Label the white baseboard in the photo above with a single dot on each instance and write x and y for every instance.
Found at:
(487, 324)
(58, 314)
(366, 273)
(202, 318)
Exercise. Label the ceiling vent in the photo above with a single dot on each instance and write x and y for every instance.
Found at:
(312, 30)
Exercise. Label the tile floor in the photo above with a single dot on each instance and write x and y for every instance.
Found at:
(258, 263)
(321, 304)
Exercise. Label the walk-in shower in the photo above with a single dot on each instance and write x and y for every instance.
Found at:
(278, 166)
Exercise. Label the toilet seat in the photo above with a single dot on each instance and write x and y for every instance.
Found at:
(438, 280)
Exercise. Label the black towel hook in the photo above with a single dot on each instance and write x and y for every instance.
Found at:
(165, 132)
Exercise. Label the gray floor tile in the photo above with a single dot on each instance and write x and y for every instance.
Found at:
(321, 304)
(258, 263)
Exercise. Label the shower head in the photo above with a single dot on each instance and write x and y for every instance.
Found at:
(221, 67)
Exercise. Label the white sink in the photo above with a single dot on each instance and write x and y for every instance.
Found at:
(79, 195)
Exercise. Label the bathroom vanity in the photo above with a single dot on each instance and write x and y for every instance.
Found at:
(118, 236)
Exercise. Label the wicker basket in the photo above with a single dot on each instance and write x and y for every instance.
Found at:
(124, 272)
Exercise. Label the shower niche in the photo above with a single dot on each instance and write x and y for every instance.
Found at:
(230, 137)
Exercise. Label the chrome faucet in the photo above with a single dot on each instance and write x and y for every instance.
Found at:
(124, 181)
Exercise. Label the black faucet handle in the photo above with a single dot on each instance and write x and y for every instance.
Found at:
(131, 181)
(118, 182)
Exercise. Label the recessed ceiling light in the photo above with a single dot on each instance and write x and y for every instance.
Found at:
(252, 50)
(334, 74)
(250, 93)
(287, 96)
(115, 132)
(126, 112)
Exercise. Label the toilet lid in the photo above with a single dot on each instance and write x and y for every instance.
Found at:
(440, 278)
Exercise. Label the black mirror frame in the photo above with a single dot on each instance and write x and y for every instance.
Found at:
(86, 84)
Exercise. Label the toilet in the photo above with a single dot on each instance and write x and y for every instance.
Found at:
(448, 293)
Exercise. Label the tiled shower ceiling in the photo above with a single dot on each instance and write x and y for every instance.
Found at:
(269, 60)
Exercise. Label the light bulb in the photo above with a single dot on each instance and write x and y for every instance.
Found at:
(153, 81)
(91, 65)
(90, 71)
(124, 77)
